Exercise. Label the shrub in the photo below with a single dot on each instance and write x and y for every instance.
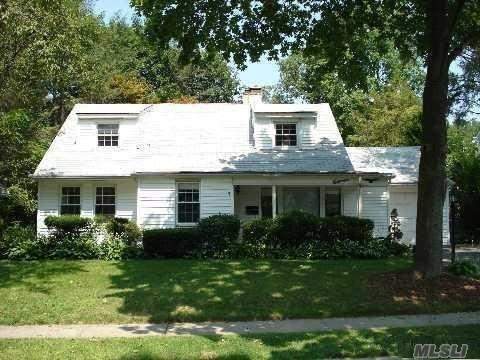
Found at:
(342, 228)
(118, 248)
(81, 247)
(170, 243)
(21, 243)
(217, 233)
(67, 225)
(255, 237)
(292, 230)
(464, 268)
(124, 228)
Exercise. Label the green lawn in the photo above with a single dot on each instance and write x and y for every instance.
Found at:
(179, 290)
(389, 342)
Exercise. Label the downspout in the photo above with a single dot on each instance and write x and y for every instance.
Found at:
(360, 210)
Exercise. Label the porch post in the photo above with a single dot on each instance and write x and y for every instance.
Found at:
(274, 201)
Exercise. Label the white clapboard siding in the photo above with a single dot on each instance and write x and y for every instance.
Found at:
(48, 203)
(216, 196)
(126, 199)
(350, 200)
(307, 133)
(156, 202)
(374, 206)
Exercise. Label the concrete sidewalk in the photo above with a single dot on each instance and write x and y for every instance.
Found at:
(242, 327)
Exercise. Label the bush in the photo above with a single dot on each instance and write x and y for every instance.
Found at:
(464, 268)
(124, 228)
(171, 243)
(255, 237)
(217, 234)
(70, 226)
(292, 230)
(118, 248)
(21, 243)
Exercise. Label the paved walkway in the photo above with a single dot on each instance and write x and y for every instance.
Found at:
(242, 327)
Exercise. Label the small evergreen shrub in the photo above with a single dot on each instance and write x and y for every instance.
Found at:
(293, 229)
(171, 243)
(67, 225)
(464, 268)
(217, 233)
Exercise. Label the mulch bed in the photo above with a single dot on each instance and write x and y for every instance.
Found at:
(404, 287)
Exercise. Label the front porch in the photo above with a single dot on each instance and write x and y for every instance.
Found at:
(257, 201)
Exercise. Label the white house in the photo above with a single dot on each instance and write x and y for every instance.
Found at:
(168, 165)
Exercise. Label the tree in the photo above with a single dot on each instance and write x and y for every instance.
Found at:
(436, 30)
(44, 54)
(389, 117)
(387, 99)
(23, 141)
(463, 164)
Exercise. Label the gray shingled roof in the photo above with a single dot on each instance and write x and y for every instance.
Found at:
(401, 162)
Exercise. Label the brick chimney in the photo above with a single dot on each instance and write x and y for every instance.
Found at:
(252, 95)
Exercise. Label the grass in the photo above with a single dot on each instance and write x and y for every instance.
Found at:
(70, 292)
(335, 344)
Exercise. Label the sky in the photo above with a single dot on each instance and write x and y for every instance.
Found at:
(262, 73)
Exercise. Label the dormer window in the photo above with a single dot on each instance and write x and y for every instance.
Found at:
(285, 134)
(107, 134)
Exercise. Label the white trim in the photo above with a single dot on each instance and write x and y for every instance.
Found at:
(104, 116)
(286, 122)
(177, 182)
(98, 184)
(60, 195)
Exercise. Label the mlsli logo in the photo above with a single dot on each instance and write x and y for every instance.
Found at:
(443, 351)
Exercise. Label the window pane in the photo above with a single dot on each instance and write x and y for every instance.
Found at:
(333, 203)
(188, 206)
(285, 135)
(108, 191)
(70, 209)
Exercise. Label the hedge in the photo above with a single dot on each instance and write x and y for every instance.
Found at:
(171, 243)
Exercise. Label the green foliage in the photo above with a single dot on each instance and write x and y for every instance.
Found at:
(464, 268)
(217, 232)
(118, 248)
(463, 165)
(67, 226)
(299, 235)
(170, 243)
(383, 109)
(389, 117)
(255, 237)
(292, 229)
(124, 228)
(19, 242)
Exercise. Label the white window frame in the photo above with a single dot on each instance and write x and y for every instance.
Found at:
(177, 202)
(95, 186)
(110, 135)
(286, 122)
(61, 198)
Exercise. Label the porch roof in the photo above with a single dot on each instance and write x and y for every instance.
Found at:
(401, 162)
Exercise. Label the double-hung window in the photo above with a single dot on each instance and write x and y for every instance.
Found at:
(105, 201)
(70, 204)
(107, 134)
(286, 134)
(188, 203)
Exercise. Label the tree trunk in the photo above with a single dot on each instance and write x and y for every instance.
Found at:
(432, 173)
